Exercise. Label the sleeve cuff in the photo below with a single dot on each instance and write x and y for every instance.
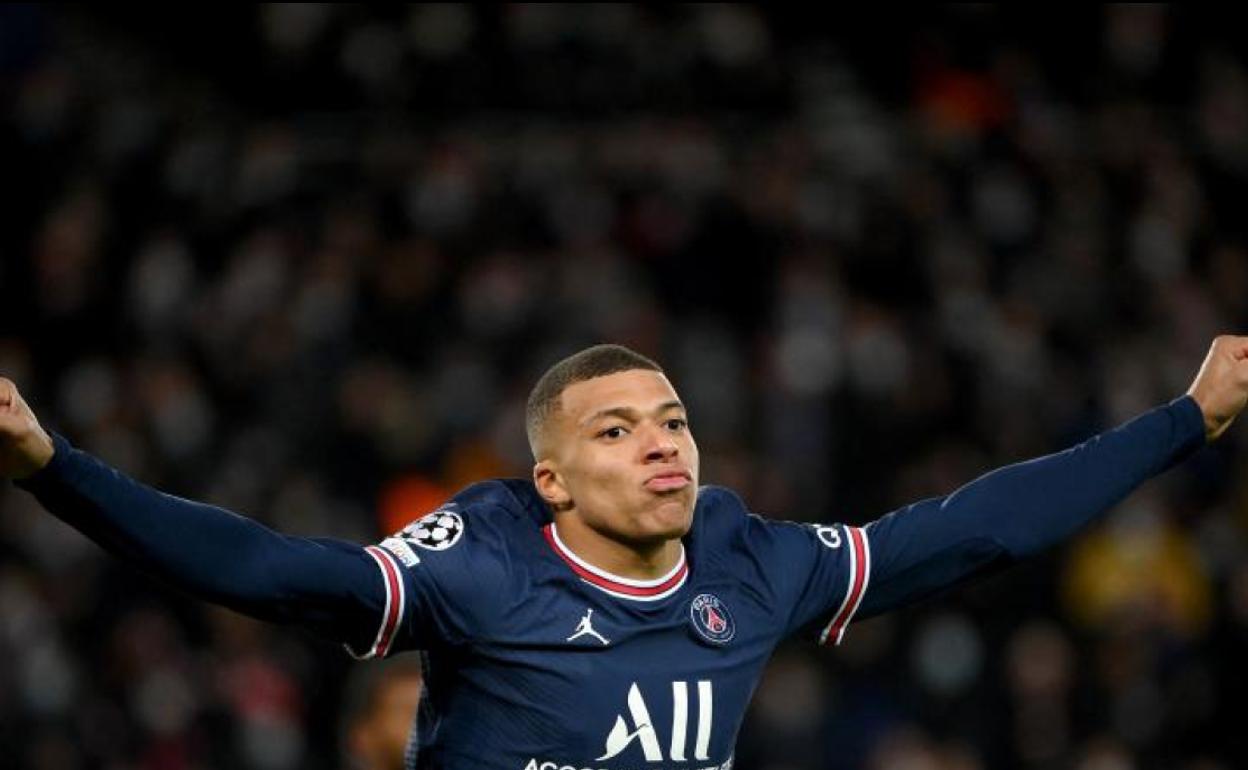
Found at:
(1190, 422)
(54, 471)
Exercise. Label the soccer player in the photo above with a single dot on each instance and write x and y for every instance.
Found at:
(609, 613)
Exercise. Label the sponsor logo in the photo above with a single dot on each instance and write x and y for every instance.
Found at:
(547, 764)
(586, 628)
(400, 549)
(436, 531)
(637, 726)
(711, 619)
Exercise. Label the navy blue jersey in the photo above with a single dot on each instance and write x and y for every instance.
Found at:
(538, 659)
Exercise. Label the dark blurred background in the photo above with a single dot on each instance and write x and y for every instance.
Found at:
(305, 261)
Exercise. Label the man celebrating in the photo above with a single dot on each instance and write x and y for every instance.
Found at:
(609, 614)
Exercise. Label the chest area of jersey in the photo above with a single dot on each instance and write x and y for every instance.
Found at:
(661, 686)
(679, 711)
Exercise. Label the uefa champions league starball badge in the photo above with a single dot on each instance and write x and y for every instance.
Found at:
(436, 531)
(711, 619)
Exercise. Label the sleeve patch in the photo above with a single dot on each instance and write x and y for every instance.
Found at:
(436, 531)
(402, 550)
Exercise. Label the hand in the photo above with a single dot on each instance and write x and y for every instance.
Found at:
(24, 446)
(1221, 385)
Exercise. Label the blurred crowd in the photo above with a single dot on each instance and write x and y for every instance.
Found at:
(304, 262)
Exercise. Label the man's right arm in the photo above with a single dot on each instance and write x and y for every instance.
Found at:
(339, 589)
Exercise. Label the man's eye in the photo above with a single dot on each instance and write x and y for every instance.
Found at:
(613, 432)
(677, 423)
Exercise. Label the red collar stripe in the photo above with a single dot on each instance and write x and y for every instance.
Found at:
(615, 585)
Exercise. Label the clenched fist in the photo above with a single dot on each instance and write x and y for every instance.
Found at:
(1221, 385)
(24, 446)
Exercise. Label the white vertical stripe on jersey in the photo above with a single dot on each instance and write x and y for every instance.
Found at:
(680, 720)
(706, 713)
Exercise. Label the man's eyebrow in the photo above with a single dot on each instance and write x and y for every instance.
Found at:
(629, 413)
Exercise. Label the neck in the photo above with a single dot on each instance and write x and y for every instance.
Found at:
(636, 561)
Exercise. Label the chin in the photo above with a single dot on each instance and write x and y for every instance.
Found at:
(669, 520)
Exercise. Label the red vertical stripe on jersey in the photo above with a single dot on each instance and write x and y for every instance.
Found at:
(394, 601)
(861, 564)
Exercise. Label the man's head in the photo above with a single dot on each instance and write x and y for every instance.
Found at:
(612, 443)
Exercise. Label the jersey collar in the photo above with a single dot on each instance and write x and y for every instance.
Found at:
(622, 587)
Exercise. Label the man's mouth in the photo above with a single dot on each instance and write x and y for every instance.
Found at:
(669, 482)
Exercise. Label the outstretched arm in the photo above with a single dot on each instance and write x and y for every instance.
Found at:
(331, 586)
(1021, 509)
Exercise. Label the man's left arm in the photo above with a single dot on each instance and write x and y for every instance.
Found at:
(1021, 509)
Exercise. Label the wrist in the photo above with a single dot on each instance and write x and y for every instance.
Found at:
(43, 451)
(1214, 425)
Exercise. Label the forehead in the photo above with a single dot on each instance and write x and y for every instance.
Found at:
(640, 389)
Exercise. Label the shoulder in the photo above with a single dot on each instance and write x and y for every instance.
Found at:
(720, 502)
(464, 562)
(480, 519)
(725, 516)
(514, 496)
(720, 515)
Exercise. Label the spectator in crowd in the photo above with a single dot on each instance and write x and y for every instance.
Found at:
(379, 709)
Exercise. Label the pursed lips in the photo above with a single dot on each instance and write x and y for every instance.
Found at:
(669, 481)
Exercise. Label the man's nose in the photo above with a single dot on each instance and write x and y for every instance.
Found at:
(660, 445)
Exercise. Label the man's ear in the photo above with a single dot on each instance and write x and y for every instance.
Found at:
(550, 485)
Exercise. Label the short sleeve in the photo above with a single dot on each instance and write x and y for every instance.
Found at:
(822, 572)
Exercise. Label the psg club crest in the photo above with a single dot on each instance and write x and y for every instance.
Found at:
(436, 531)
(711, 619)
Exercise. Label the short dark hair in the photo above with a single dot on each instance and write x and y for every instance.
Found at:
(596, 361)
